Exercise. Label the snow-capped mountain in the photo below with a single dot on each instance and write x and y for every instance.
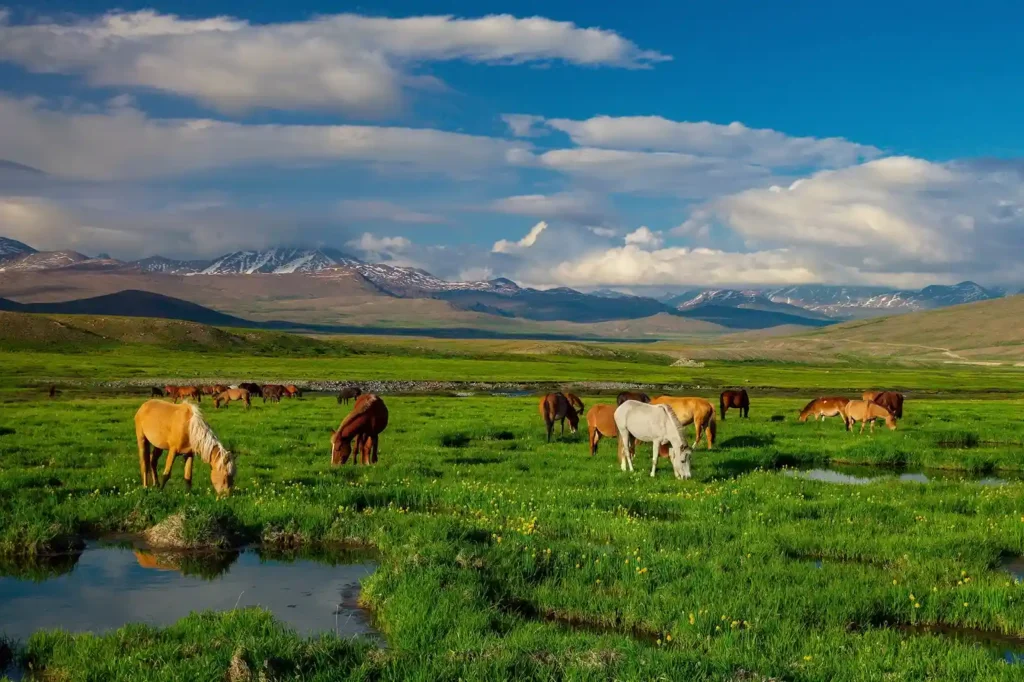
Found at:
(12, 248)
(170, 266)
(278, 261)
(726, 297)
(836, 301)
(42, 260)
(415, 282)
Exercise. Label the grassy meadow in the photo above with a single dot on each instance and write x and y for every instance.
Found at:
(505, 557)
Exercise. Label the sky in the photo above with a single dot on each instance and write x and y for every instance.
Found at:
(557, 144)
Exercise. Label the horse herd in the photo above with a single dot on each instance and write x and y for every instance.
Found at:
(181, 430)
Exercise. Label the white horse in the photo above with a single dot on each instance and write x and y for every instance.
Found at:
(655, 424)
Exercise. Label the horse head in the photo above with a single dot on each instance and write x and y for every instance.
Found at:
(574, 419)
(341, 448)
(222, 473)
(890, 420)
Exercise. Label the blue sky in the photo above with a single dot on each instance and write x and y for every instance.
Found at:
(872, 144)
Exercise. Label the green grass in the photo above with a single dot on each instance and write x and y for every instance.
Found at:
(504, 557)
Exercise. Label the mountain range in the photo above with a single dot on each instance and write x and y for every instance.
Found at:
(323, 269)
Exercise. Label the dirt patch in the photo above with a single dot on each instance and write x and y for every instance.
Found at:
(192, 531)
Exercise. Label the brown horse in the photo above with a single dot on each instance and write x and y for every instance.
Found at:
(366, 421)
(892, 401)
(348, 394)
(180, 430)
(255, 390)
(212, 390)
(555, 407)
(292, 391)
(696, 411)
(632, 395)
(819, 408)
(182, 392)
(576, 403)
(738, 399)
(225, 397)
(864, 411)
(273, 393)
(601, 424)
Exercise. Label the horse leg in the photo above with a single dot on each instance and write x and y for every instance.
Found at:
(549, 424)
(143, 457)
(595, 436)
(375, 440)
(654, 459)
(562, 433)
(188, 471)
(630, 452)
(171, 454)
(862, 425)
(154, 458)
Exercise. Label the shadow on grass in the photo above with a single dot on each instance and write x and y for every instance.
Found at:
(455, 440)
(748, 442)
(474, 460)
(4, 431)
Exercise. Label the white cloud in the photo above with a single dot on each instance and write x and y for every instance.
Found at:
(645, 238)
(505, 246)
(605, 232)
(578, 207)
(344, 61)
(376, 209)
(369, 243)
(524, 125)
(763, 147)
(123, 143)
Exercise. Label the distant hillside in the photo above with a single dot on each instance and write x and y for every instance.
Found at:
(131, 304)
(748, 318)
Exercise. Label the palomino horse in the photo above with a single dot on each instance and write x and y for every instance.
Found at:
(576, 403)
(292, 391)
(601, 424)
(738, 399)
(870, 395)
(348, 393)
(180, 430)
(225, 397)
(639, 396)
(819, 408)
(863, 411)
(366, 421)
(696, 411)
(655, 424)
(892, 401)
(555, 407)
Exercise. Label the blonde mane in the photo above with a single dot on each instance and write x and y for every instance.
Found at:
(204, 442)
(675, 421)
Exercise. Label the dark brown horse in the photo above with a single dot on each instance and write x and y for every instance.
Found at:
(156, 392)
(366, 421)
(348, 394)
(632, 395)
(255, 390)
(892, 401)
(576, 403)
(555, 407)
(273, 393)
(53, 391)
(738, 399)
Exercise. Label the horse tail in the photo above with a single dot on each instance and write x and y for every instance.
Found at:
(711, 429)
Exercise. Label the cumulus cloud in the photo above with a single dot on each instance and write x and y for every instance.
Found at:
(506, 246)
(645, 238)
(377, 209)
(763, 147)
(524, 125)
(578, 207)
(369, 243)
(124, 143)
(347, 62)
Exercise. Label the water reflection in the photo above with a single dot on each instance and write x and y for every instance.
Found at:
(108, 587)
(860, 475)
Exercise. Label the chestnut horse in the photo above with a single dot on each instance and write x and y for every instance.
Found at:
(180, 430)
(892, 401)
(225, 397)
(601, 424)
(864, 411)
(738, 399)
(292, 391)
(639, 396)
(366, 421)
(212, 390)
(555, 407)
(819, 408)
(182, 392)
(696, 411)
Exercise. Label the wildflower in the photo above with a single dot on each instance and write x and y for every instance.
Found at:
(916, 605)
(692, 619)
(911, 597)
(668, 638)
(807, 658)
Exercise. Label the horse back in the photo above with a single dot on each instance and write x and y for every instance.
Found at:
(164, 424)
(602, 419)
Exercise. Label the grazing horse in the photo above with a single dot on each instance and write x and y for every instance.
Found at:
(576, 403)
(156, 392)
(366, 421)
(273, 393)
(639, 396)
(348, 394)
(864, 411)
(738, 399)
(225, 397)
(555, 407)
(180, 430)
(601, 423)
(892, 401)
(182, 392)
(655, 424)
(870, 395)
(292, 391)
(819, 408)
(255, 390)
(696, 411)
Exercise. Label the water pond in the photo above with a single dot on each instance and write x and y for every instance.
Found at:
(860, 475)
(105, 587)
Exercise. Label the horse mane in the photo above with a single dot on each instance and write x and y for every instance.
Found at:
(675, 420)
(359, 409)
(204, 442)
